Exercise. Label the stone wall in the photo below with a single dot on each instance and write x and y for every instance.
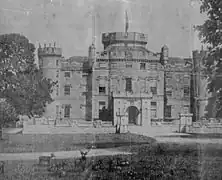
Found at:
(211, 128)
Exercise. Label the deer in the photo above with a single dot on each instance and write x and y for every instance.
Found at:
(85, 151)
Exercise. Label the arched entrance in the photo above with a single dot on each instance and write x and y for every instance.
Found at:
(133, 113)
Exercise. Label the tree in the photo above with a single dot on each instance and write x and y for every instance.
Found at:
(22, 83)
(31, 94)
(7, 114)
(211, 34)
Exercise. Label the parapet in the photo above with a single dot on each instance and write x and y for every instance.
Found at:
(122, 37)
(49, 50)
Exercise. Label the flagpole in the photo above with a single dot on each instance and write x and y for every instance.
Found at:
(126, 22)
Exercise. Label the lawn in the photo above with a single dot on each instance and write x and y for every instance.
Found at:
(67, 142)
(153, 161)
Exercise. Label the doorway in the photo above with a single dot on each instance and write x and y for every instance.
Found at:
(133, 113)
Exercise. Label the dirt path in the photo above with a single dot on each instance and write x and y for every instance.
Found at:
(59, 155)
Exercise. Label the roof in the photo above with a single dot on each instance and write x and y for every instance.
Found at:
(78, 59)
(177, 60)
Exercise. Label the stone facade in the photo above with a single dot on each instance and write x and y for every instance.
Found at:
(69, 98)
(125, 61)
(178, 78)
(125, 80)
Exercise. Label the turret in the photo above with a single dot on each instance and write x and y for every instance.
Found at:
(91, 55)
(164, 55)
(49, 63)
(120, 37)
(49, 51)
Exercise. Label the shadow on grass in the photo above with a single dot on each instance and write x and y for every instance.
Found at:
(196, 136)
(52, 143)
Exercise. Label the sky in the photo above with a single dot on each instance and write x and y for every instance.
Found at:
(69, 22)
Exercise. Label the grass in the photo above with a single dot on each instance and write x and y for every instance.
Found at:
(67, 142)
(156, 161)
(149, 161)
(153, 161)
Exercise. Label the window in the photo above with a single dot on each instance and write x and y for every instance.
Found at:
(168, 80)
(102, 86)
(169, 93)
(102, 104)
(142, 66)
(186, 109)
(153, 110)
(67, 90)
(113, 53)
(57, 73)
(102, 65)
(169, 75)
(41, 62)
(146, 85)
(67, 74)
(168, 111)
(186, 80)
(129, 65)
(67, 111)
(153, 66)
(114, 65)
(102, 90)
(129, 84)
(186, 91)
(57, 110)
(153, 90)
(57, 90)
(57, 62)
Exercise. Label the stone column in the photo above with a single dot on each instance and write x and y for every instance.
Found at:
(146, 122)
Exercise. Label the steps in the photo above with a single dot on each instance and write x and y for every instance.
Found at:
(42, 129)
(68, 127)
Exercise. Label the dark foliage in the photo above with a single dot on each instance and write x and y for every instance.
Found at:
(22, 83)
(211, 34)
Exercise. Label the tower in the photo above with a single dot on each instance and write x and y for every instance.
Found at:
(91, 55)
(49, 63)
(89, 80)
(163, 61)
(164, 55)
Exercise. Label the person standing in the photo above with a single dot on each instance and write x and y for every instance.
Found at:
(118, 124)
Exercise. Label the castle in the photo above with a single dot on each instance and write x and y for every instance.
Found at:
(68, 95)
(124, 80)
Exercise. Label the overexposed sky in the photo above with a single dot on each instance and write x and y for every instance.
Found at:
(69, 22)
